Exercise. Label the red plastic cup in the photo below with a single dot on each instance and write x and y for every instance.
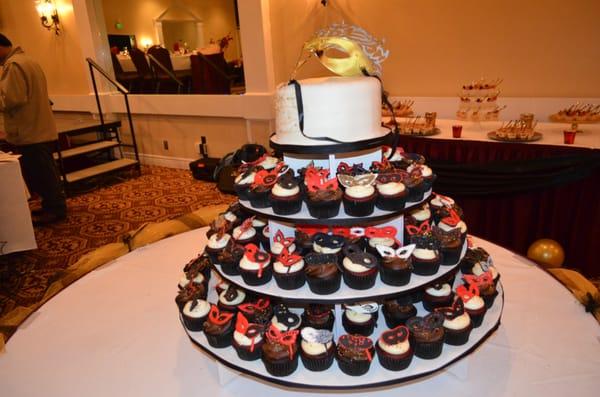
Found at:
(456, 131)
(569, 136)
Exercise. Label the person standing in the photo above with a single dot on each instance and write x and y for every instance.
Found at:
(30, 127)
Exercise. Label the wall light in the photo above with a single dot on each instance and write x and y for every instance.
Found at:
(48, 15)
(146, 42)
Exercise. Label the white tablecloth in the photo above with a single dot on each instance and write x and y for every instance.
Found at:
(552, 132)
(16, 229)
(179, 61)
(116, 332)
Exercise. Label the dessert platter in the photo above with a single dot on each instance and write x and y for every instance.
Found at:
(338, 270)
(478, 101)
(516, 131)
(400, 109)
(415, 126)
(579, 113)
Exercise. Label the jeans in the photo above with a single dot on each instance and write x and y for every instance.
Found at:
(42, 177)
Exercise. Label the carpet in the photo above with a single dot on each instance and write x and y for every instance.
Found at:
(96, 219)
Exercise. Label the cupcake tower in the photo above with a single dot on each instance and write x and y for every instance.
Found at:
(339, 271)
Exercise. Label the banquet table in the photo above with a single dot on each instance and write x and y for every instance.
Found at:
(179, 61)
(16, 229)
(117, 332)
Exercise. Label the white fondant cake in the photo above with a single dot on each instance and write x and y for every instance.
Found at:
(344, 109)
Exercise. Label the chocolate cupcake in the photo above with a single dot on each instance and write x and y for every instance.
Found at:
(259, 191)
(438, 204)
(322, 273)
(473, 257)
(317, 349)
(284, 320)
(323, 195)
(359, 268)
(397, 311)
(417, 217)
(219, 327)
(318, 317)
(360, 318)
(280, 351)
(393, 349)
(288, 270)
(324, 243)
(486, 286)
(395, 266)
(380, 236)
(217, 243)
(303, 241)
(231, 298)
(416, 187)
(255, 266)
(200, 264)
(426, 257)
(243, 181)
(245, 234)
(486, 267)
(285, 196)
(457, 323)
(453, 221)
(221, 285)
(354, 354)
(427, 335)
(437, 295)
(426, 173)
(247, 339)
(360, 195)
(195, 313)
(258, 312)
(280, 242)
(473, 303)
(229, 259)
(192, 276)
(391, 192)
(451, 245)
(190, 292)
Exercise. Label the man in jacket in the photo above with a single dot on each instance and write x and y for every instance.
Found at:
(30, 126)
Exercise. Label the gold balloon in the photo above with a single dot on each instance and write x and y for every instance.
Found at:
(546, 252)
(352, 65)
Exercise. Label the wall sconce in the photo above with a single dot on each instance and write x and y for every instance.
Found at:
(146, 43)
(48, 15)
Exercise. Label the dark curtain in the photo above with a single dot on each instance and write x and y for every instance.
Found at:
(514, 194)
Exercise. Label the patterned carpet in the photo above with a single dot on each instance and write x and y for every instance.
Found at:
(97, 218)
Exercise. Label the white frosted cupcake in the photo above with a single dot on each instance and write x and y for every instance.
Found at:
(359, 200)
(195, 313)
(394, 350)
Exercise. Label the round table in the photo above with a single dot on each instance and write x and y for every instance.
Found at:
(117, 332)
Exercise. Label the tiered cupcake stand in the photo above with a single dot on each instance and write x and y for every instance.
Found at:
(333, 378)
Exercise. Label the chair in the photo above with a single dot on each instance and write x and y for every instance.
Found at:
(209, 74)
(125, 78)
(164, 58)
(141, 65)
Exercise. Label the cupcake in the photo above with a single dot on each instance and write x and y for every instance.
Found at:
(486, 286)
(317, 350)
(359, 195)
(450, 244)
(397, 311)
(190, 292)
(360, 268)
(323, 195)
(391, 192)
(437, 295)
(380, 236)
(303, 240)
(217, 243)
(426, 173)
(232, 217)
(417, 217)
(392, 154)
(473, 303)
(229, 259)
(280, 242)
(245, 234)
(322, 273)
(318, 317)
(395, 266)
(280, 351)
(324, 243)
(259, 224)
(255, 266)
(247, 339)
(453, 221)
(195, 313)
(416, 187)
(288, 270)
(285, 195)
(219, 327)
(426, 257)
(243, 181)
(457, 323)
(261, 188)
(437, 204)
(360, 319)
(353, 236)
(354, 354)
(191, 276)
(427, 335)
(393, 349)
(221, 285)
(200, 264)
(284, 320)
(486, 267)
(231, 298)
(258, 312)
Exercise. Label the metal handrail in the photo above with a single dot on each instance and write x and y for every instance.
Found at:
(164, 69)
(93, 65)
